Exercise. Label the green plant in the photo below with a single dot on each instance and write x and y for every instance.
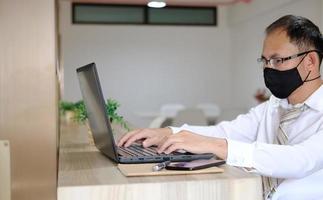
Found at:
(80, 112)
(80, 116)
(65, 106)
(111, 107)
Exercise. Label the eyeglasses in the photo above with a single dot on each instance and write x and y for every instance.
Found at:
(276, 62)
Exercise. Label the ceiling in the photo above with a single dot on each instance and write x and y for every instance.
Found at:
(194, 3)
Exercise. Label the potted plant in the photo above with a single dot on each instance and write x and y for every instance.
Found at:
(80, 115)
(80, 112)
(67, 110)
(77, 112)
(111, 107)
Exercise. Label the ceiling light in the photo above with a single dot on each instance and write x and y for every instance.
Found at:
(156, 4)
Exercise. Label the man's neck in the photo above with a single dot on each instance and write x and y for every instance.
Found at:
(305, 91)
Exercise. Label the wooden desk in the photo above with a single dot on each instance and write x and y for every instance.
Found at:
(86, 174)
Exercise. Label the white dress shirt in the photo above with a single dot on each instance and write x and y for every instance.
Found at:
(250, 145)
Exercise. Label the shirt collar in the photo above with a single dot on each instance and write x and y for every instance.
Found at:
(314, 101)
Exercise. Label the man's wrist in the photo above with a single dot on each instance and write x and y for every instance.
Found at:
(220, 148)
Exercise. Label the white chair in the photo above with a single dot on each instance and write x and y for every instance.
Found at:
(5, 189)
(170, 110)
(191, 116)
(166, 115)
(157, 122)
(211, 110)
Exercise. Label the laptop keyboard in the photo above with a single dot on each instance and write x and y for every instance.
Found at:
(138, 150)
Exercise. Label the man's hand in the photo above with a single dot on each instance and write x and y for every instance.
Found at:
(184, 140)
(194, 143)
(149, 136)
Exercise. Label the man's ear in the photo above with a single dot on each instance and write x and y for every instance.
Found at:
(312, 61)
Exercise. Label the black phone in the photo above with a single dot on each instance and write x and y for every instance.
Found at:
(195, 164)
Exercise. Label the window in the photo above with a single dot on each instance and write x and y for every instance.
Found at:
(84, 13)
(174, 15)
(107, 14)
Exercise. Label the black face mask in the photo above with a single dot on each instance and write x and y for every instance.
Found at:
(283, 83)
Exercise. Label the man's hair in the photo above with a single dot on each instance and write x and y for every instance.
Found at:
(301, 32)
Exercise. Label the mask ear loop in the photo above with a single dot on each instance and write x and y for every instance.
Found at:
(305, 80)
(312, 78)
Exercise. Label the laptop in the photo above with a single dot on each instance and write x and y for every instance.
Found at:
(103, 133)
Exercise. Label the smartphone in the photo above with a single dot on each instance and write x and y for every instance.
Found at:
(195, 164)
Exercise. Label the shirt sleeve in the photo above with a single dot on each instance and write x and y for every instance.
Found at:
(266, 159)
(275, 160)
(243, 128)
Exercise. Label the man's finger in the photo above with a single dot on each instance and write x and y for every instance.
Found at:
(149, 142)
(127, 136)
(174, 147)
(140, 135)
(172, 139)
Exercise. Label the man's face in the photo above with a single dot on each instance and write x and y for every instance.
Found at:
(278, 45)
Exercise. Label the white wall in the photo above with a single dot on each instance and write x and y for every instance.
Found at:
(247, 25)
(144, 67)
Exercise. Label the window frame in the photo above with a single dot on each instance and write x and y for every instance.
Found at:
(145, 15)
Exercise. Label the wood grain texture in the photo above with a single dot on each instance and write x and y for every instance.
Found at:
(146, 170)
(85, 173)
(28, 96)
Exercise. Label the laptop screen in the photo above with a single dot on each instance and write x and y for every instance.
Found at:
(95, 107)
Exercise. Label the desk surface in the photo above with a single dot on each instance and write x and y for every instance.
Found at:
(85, 173)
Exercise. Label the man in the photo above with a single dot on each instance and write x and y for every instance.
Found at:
(282, 138)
